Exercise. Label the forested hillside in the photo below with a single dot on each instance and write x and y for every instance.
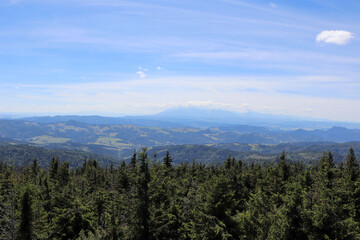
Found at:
(20, 155)
(114, 139)
(147, 199)
(307, 153)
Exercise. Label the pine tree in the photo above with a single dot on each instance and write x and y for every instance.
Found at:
(327, 213)
(70, 222)
(133, 161)
(284, 167)
(35, 170)
(255, 222)
(351, 167)
(219, 203)
(26, 220)
(7, 202)
(288, 222)
(326, 169)
(54, 168)
(140, 222)
(64, 175)
(123, 182)
(168, 160)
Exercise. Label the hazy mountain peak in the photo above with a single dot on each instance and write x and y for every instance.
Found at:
(197, 113)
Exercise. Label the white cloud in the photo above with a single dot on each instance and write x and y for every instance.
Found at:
(205, 103)
(339, 37)
(141, 74)
(159, 68)
(300, 95)
(137, 101)
(273, 5)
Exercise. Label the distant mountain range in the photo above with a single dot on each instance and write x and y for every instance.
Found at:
(202, 118)
(115, 139)
(189, 133)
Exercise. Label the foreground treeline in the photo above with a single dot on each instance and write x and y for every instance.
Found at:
(151, 199)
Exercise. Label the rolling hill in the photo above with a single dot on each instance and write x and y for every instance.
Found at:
(21, 155)
(115, 139)
(308, 153)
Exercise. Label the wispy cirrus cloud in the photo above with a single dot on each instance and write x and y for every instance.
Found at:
(141, 74)
(272, 56)
(99, 45)
(339, 37)
(273, 5)
(264, 94)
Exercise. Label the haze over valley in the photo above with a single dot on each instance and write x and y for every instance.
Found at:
(202, 134)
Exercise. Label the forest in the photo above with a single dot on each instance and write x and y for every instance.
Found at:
(151, 198)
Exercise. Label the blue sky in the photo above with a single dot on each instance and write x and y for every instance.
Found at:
(113, 57)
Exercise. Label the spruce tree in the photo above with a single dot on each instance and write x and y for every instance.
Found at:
(26, 216)
(35, 170)
(351, 167)
(284, 167)
(326, 169)
(133, 161)
(54, 168)
(168, 160)
(140, 221)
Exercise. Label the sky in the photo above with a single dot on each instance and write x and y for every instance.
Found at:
(113, 57)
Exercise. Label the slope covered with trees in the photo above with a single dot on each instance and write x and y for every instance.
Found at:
(21, 155)
(308, 153)
(152, 199)
(115, 139)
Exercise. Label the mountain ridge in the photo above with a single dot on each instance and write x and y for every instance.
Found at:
(202, 118)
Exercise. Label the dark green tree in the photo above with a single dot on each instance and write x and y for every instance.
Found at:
(54, 167)
(133, 161)
(167, 160)
(140, 221)
(351, 169)
(26, 216)
(284, 167)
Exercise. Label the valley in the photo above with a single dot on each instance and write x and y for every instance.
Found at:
(111, 140)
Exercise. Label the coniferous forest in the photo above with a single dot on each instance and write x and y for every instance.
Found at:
(151, 198)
